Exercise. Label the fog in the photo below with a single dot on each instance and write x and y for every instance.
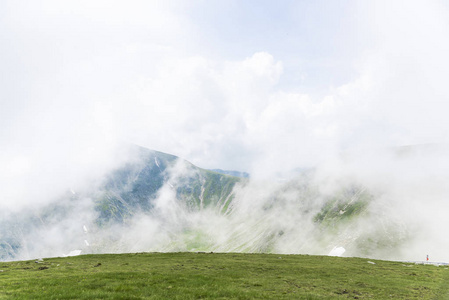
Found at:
(253, 87)
(404, 218)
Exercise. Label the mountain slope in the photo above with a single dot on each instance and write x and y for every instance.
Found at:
(129, 190)
(134, 187)
(157, 202)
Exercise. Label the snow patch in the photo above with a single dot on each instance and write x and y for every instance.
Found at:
(74, 253)
(337, 251)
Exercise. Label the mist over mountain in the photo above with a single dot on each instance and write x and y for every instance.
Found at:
(232, 173)
(315, 100)
(154, 201)
(132, 189)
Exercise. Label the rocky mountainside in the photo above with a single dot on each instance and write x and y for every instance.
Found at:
(127, 191)
(133, 187)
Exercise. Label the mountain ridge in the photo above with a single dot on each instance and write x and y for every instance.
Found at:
(129, 190)
(154, 201)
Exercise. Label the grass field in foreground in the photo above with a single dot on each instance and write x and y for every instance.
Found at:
(220, 276)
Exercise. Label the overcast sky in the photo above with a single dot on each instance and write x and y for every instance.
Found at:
(255, 86)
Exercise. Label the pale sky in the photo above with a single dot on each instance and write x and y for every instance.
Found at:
(257, 86)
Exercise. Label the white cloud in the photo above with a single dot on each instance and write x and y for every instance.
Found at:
(82, 75)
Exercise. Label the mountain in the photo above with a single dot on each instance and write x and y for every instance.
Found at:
(134, 186)
(158, 202)
(232, 173)
(127, 191)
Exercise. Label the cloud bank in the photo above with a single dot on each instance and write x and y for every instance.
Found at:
(293, 86)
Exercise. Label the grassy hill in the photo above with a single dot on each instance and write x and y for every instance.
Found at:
(220, 276)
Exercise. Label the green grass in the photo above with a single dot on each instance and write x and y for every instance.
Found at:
(219, 276)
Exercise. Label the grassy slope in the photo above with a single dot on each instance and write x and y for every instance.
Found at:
(219, 276)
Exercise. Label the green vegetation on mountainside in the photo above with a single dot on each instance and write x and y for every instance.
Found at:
(193, 209)
(220, 276)
(124, 192)
(340, 215)
(134, 187)
(344, 205)
(206, 189)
